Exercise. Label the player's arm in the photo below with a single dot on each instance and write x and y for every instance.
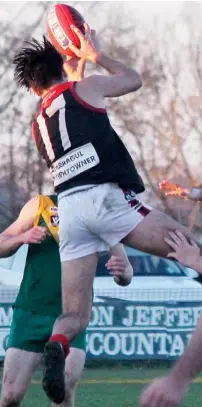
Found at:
(22, 230)
(190, 364)
(122, 79)
(119, 265)
(169, 391)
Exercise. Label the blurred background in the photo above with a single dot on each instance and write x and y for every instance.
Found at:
(160, 124)
(162, 129)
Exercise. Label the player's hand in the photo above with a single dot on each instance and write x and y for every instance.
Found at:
(74, 68)
(116, 266)
(164, 392)
(120, 270)
(88, 50)
(34, 235)
(187, 253)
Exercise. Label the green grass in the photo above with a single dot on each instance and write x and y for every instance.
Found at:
(110, 387)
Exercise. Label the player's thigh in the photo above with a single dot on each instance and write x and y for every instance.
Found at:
(74, 366)
(118, 212)
(148, 236)
(19, 366)
(77, 284)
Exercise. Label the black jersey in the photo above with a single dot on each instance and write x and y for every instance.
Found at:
(79, 144)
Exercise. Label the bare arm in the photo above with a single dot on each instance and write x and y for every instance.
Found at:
(120, 266)
(122, 79)
(190, 363)
(10, 244)
(21, 231)
(169, 391)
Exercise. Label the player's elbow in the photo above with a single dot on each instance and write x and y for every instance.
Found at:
(135, 81)
(131, 82)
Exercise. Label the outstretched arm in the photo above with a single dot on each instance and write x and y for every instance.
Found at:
(169, 391)
(119, 265)
(22, 231)
(122, 79)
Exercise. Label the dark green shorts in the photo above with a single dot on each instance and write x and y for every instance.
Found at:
(30, 332)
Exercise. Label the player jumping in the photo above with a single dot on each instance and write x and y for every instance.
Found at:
(94, 176)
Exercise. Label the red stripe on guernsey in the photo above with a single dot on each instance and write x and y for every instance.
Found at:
(34, 125)
(142, 209)
(136, 204)
(81, 101)
(53, 93)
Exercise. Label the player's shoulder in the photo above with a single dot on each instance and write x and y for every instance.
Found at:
(31, 207)
(91, 80)
(49, 198)
(89, 90)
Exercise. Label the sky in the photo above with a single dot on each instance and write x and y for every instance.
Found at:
(166, 10)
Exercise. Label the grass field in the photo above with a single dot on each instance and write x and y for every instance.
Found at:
(111, 387)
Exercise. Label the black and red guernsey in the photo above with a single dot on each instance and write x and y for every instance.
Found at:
(79, 144)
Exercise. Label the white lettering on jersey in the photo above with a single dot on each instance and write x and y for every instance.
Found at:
(73, 163)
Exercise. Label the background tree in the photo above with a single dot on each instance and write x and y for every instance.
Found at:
(160, 124)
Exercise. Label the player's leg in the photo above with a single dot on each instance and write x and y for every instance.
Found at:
(135, 223)
(74, 365)
(77, 283)
(19, 366)
(148, 236)
(28, 335)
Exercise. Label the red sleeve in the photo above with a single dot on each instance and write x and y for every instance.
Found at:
(35, 130)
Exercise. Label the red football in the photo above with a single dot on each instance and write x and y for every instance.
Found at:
(59, 20)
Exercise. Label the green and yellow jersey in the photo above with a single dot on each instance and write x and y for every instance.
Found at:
(40, 290)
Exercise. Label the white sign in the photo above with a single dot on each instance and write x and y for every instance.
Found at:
(74, 163)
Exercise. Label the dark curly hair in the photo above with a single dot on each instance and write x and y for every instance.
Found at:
(38, 65)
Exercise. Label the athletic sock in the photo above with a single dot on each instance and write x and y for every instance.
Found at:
(62, 340)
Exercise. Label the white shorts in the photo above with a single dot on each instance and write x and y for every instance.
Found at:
(97, 218)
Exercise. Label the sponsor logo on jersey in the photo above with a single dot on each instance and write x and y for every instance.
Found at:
(57, 29)
(74, 163)
(54, 220)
